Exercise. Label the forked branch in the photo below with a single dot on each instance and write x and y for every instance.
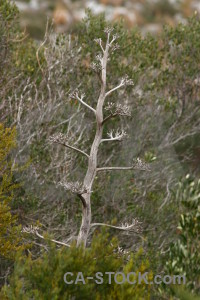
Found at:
(76, 188)
(75, 95)
(117, 136)
(125, 81)
(116, 110)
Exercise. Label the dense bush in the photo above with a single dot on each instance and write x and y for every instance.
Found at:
(184, 254)
(11, 237)
(43, 278)
(10, 232)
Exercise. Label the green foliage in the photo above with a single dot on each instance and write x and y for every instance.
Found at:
(17, 50)
(183, 294)
(8, 11)
(10, 232)
(43, 278)
(184, 254)
(8, 16)
(24, 58)
(156, 11)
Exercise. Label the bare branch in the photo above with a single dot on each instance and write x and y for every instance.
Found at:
(114, 168)
(41, 45)
(52, 240)
(115, 36)
(75, 95)
(34, 230)
(109, 117)
(138, 165)
(114, 89)
(118, 136)
(116, 110)
(99, 41)
(125, 81)
(166, 198)
(180, 138)
(108, 31)
(109, 45)
(60, 139)
(134, 227)
(74, 148)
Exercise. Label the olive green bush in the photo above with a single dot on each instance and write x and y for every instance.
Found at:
(43, 278)
(184, 253)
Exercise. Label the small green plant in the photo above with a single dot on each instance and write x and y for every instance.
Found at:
(184, 254)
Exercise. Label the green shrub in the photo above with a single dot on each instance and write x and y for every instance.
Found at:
(184, 254)
(10, 232)
(43, 278)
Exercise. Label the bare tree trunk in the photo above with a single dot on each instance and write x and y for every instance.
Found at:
(86, 221)
(92, 163)
(84, 192)
(88, 182)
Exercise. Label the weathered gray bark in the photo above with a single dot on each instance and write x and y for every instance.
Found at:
(92, 162)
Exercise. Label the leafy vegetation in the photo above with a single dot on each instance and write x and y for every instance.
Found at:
(184, 257)
(10, 232)
(163, 129)
(43, 278)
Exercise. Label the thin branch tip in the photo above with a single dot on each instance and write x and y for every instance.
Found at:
(75, 95)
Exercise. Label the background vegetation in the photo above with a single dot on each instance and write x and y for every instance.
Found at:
(164, 131)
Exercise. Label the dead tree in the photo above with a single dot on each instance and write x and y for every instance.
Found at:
(84, 190)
